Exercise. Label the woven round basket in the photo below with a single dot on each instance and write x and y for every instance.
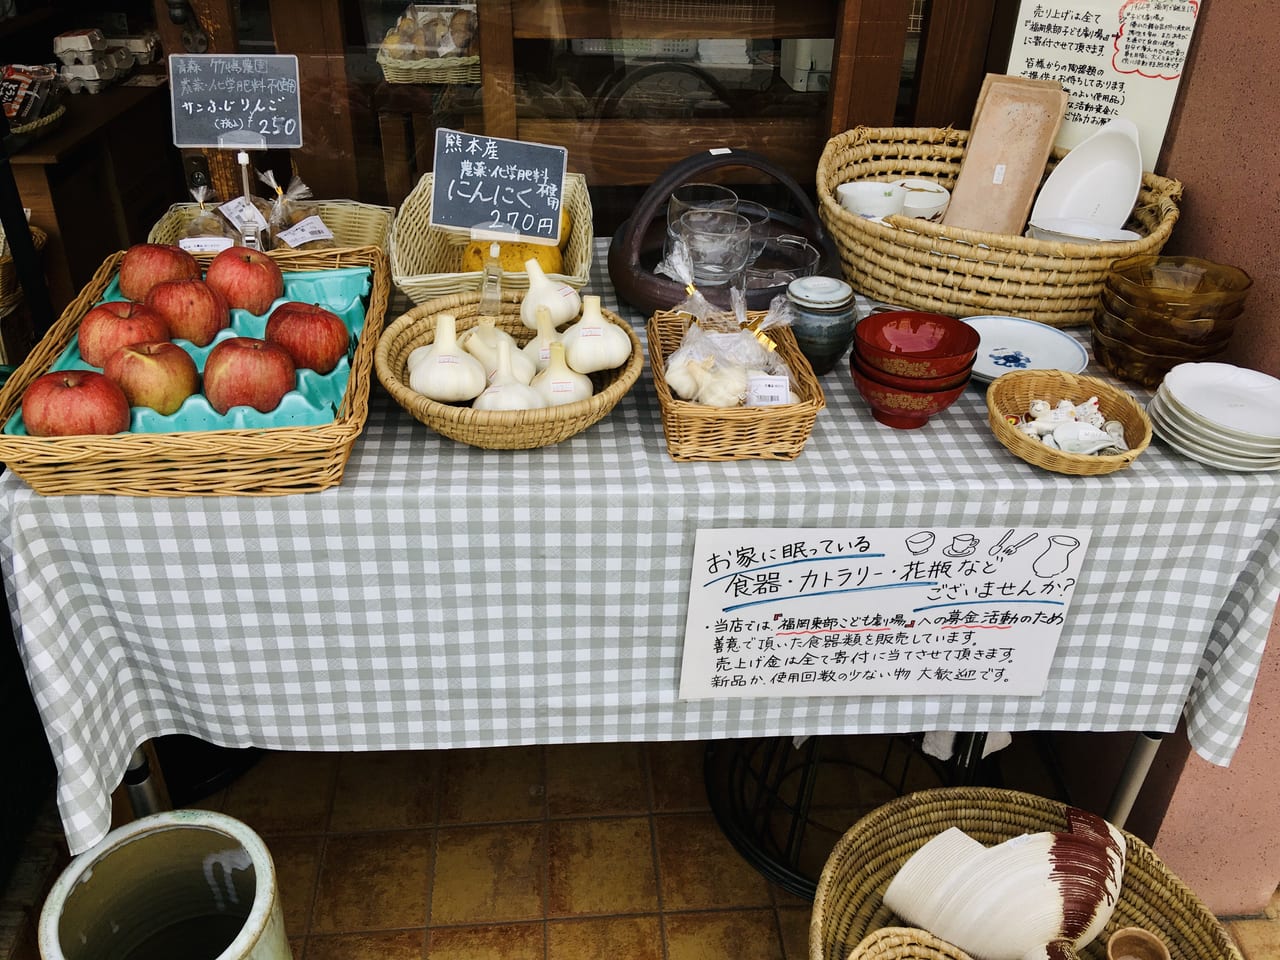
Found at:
(849, 904)
(10, 288)
(426, 261)
(1011, 394)
(927, 266)
(38, 128)
(495, 429)
(905, 943)
(437, 70)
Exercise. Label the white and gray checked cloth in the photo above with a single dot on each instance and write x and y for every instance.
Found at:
(446, 596)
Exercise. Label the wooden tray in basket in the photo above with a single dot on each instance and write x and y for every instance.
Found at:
(920, 265)
(496, 429)
(273, 461)
(426, 261)
(1012, 393)
(696, 431)
(353, 224)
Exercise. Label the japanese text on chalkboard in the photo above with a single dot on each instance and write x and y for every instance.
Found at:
(223, 100)
(496, 187)
(886, 611)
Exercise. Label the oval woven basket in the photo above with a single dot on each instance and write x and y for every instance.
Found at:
(495, 429)
(849, 904)
(1012, 393)
(927, 266)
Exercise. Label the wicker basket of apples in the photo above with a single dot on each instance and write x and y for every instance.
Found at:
(165, 379)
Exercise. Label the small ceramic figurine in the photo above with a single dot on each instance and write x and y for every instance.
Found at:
(1076, 436)
(1090, 413)
(1115, 430)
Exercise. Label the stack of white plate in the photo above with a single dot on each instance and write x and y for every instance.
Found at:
(1219, 414)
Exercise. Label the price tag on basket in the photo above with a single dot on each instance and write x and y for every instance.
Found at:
(497, 189)
(235, 100)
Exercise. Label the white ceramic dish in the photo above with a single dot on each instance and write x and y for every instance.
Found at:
(1098, 180)
(1079, 231)
(1204, 431)
(923, 199)
(1015, 343)
(1161, 428)
(1228, 397)
(1177, 431)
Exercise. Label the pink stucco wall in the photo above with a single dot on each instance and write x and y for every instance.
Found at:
(1221, 829)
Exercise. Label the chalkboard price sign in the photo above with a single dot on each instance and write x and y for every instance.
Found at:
(235, 100)
(497, 188)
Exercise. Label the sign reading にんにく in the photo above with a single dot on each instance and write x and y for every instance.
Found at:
(496, 188)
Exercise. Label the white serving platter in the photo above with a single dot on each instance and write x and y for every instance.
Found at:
(1231, 398)
(1098, 180)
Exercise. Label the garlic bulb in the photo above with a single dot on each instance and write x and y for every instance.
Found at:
(560, 298)
(725, 385)
(446, 372)
(593, 343)
(685, 375)
(505, 391)
(539, 348)
(482, 342)
(558, 383)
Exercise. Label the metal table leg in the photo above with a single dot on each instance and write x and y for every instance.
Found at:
(1136, 766)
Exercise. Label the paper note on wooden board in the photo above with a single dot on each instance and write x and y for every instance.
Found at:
(1015, 123)
(1115, 58)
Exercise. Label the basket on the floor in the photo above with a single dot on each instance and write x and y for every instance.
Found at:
(10, 288)
(496, 429)
(696, 431)
(849, 905)
(945, 269)
(352, 224)
(426, 261)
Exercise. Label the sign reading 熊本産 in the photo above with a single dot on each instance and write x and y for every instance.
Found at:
(1115, 58)
(886, 612)
(229, 100)
(495, 188)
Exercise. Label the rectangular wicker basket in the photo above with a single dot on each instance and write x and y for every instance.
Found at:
(274, 461)
(927, 266)
(438, 70)
(426, 261)
(353, 224)
(696, 431)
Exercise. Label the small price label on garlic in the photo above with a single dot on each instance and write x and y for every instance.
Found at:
(767, 391)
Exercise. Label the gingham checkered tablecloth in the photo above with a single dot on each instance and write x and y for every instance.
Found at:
(446, 596)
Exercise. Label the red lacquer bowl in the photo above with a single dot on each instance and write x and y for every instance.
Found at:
(909, 383)
(910, 343)
(904, 409)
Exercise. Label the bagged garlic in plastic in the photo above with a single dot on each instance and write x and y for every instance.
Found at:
(294, 221)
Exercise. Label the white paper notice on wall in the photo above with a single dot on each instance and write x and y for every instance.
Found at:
(885, 612)
(1118, 58)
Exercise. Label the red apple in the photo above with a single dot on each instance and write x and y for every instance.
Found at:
(68, 403)
(316, 338)
(115, 324)
(195, 310)
(248, 278)
(245, 371)
(146, 264)
(158, 374)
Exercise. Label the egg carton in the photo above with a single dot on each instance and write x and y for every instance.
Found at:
(79, 46)
(144, 47)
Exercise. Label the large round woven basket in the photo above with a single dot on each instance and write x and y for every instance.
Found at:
(927, 266)
(849, 905)
(504, 429)
(1011, 395)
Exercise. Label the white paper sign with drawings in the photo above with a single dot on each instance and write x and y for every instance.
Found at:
(899, 612)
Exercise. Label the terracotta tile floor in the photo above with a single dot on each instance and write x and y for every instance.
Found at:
(581, 852)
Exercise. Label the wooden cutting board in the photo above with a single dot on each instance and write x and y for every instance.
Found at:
(1015, 123)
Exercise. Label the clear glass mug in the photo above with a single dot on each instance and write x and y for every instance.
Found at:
(719, 244)
(695, 196)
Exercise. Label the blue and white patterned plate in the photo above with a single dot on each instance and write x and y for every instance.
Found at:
(1015, 343)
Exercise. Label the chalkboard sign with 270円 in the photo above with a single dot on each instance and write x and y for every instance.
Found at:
(495, 188)
(232, 100)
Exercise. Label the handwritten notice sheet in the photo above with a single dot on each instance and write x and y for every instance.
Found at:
(936, 611)
(1115, 58)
